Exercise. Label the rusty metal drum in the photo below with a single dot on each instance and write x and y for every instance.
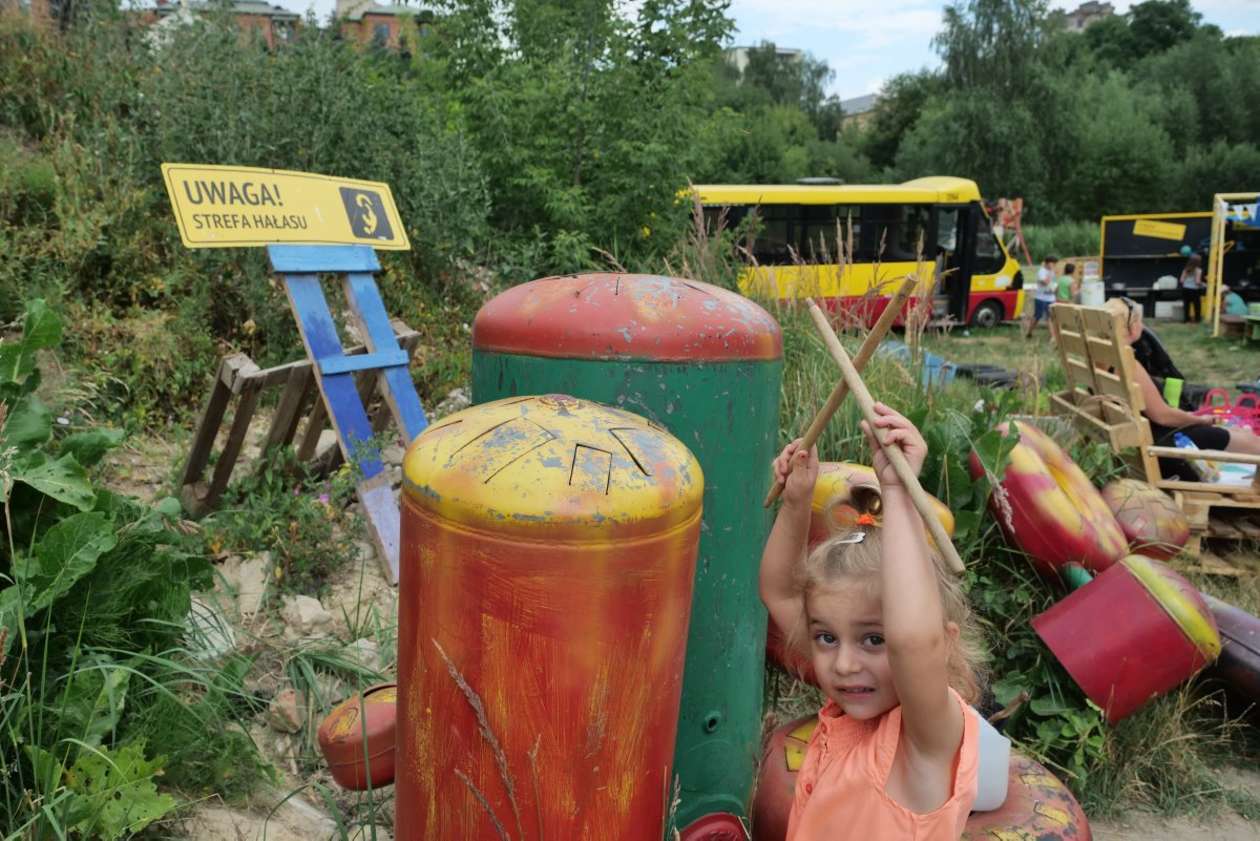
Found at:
(548, 552)
(706, 364)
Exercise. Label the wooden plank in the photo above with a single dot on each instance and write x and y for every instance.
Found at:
(341, 364)
(341, 399)
(315, 424)
(236, 439)
(207, 429)
(399, 390)
(380, 507)
(1241, 496)
(284, 421)
(314, 259)
(1211, 455)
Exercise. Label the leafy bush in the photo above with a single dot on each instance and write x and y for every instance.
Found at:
(92, 113)
(96, 591)
(1066, 239)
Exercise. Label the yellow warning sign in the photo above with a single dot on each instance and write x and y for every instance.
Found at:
(1159, 230)
(237, 207)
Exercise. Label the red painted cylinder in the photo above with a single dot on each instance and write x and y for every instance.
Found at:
(548, 551)
(1131, 634)
(358, 739)
(1037, 804)
(1048, 508)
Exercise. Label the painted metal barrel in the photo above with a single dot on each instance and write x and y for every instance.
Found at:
(706, 364)
(1133, 633)
(547, 560)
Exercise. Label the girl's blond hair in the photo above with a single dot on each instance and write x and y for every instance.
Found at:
(844, 556)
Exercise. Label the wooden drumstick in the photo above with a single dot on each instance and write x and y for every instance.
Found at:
(864, 354)
(895, 457)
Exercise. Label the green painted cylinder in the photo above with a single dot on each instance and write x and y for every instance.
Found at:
(705, 363)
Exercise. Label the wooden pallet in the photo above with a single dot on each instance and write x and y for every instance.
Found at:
(240, 379)
(342, 379)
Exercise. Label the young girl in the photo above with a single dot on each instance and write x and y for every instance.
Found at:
(895, 752)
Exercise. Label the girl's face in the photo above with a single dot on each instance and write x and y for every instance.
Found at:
(846, 638)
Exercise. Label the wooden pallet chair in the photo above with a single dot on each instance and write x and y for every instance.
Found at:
(240, 379)
(1103, 399)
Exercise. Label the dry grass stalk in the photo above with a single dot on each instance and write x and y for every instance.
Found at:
(487, 734)
(485, 805)
(533, 773)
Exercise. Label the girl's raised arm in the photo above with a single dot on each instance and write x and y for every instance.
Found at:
(914, 620)
(785, 548)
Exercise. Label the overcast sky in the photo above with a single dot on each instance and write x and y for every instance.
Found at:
(868, 41)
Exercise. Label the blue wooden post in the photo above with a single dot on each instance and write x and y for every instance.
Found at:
(301, 266)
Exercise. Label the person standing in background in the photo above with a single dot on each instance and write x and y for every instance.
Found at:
(1043, 296)
(1191, 284)
(1065, 289)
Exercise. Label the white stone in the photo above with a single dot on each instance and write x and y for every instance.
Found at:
(304, 616)
(253, 577)
(365, 652)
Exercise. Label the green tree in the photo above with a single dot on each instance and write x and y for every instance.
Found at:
(587, 120)
(1156, 25)
(901, 101)
(992, 45)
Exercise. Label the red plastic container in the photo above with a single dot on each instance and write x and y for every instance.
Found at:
(1131, 634)
(369, 719)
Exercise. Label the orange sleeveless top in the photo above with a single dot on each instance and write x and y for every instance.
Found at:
(840, 788)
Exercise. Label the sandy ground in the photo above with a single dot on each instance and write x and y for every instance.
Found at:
(1222, 826)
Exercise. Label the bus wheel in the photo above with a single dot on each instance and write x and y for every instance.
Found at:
(988, 314)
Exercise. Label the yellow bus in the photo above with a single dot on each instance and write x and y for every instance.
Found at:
(795, 251)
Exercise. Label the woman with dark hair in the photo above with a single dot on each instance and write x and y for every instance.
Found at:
(1167, 420)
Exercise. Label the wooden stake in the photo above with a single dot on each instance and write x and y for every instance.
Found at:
(864, 354)
(894, 455)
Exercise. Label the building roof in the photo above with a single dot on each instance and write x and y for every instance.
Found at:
(236, 7)
(859, 104)
(392, 10)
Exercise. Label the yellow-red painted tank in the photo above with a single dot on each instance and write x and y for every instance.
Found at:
(548, 554)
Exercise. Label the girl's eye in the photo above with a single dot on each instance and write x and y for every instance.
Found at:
(873, 640)
(824, 638)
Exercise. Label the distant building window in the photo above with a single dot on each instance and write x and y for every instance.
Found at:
(380, 34)
(282, 30)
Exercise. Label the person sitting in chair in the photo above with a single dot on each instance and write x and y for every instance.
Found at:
(1167, 420)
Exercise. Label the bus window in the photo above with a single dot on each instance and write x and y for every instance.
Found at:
(776, 239)
(946, 231)
(820, 225)
(911, 243)
(879, 232)
(989, 255)
(724, 217)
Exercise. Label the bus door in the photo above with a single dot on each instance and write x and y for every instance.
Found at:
(954, 236)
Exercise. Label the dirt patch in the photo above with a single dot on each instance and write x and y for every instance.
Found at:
(1225, 826)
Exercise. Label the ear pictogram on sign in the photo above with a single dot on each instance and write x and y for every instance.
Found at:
(366, 212)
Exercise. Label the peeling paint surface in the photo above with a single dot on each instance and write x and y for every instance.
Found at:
(727, 413)
(626, 316)
(548, 557)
